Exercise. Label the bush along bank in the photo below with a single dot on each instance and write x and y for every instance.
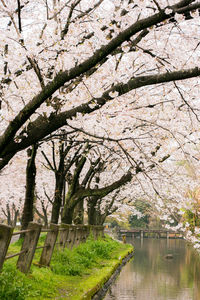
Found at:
(74, 274)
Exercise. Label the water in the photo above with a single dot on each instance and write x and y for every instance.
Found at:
(151, 276)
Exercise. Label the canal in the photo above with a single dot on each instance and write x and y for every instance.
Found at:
(150, 275)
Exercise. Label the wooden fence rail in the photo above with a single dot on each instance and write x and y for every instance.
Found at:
(63, 235)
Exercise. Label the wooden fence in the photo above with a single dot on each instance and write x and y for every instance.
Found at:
(61, 235)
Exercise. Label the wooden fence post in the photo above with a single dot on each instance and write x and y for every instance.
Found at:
(64, 235)
(101, 231)
(77, 236)
(86, 232)
(93, 229)
(80, 234)
(28, 246)
(98, 231)
(5, 237)
(49, 245)
(71, 236)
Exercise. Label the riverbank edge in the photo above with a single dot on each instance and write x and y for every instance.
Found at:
(102, 292)
(101, 287)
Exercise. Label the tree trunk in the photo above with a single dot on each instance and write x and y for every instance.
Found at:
(94, 216)
(67, 215)
(9, 222)
(16, 213)
(27, 215)
(78, 215)
(71, 202)
(92, 211)
(57, 198)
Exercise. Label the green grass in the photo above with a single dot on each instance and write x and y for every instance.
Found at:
(74, 274)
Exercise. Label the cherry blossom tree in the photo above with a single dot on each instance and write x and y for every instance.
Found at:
(123, 73)
(53, 65)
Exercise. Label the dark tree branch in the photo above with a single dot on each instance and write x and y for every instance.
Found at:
(72, 161)
(53, 156)
(66, 28)
(90, 172)
(48, 161)
(48, 198)
(19, 16)
(81, 15)
(186, 102)
(37, 70)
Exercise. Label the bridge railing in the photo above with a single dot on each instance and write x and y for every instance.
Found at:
(149, 232)
(63, 235)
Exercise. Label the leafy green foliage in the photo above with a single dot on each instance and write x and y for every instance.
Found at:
(191, 218)
(143, 207)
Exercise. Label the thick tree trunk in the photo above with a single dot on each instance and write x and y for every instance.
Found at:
(27, 215)
(67, 217)
(92, 211)
(94, 216)
(78, 215)
(57, 198)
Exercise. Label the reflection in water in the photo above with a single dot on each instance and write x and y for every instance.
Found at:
(151, 276)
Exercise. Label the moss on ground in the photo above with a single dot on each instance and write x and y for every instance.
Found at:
(74, 274)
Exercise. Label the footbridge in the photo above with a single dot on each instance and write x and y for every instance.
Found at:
(146, 233)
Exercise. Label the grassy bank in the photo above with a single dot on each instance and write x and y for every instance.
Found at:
(74, 274)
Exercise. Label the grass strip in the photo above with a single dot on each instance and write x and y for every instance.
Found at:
(74, 274)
